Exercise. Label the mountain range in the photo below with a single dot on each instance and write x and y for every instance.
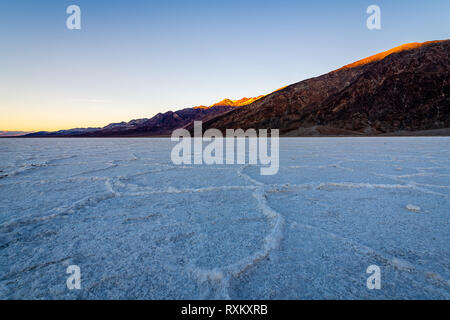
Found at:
(6, 133)
(401, 91)
(161, 124)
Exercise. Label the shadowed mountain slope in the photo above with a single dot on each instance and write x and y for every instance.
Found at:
(403, 89)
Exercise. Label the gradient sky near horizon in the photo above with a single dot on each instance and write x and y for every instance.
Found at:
(133, 59)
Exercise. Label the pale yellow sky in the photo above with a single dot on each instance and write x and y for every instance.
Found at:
(67, 115)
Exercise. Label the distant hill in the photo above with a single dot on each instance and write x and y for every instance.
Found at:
(13, 133)
(401, 90)
(62, 132)
(161, 124)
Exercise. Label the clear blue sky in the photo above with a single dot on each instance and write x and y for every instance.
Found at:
(133, 59)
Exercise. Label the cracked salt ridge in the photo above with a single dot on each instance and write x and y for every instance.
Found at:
(32, 166)
(351, 185)
(415, 186)
(397, 263)
(222, 275)
(59, 211)
(93, 200)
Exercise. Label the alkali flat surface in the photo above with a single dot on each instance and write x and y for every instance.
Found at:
(140, 227)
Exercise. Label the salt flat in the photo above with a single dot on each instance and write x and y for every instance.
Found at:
(140, 227)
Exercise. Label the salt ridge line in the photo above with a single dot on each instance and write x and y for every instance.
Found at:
(395, 262)
(111, 193)
(79, 176)
(45, 163)
(365, 250)
(319, 186)
(413, 185)
(61, 211)
(271, 242)
(92, 201)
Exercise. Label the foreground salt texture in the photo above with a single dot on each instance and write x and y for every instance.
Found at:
(141, 228)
